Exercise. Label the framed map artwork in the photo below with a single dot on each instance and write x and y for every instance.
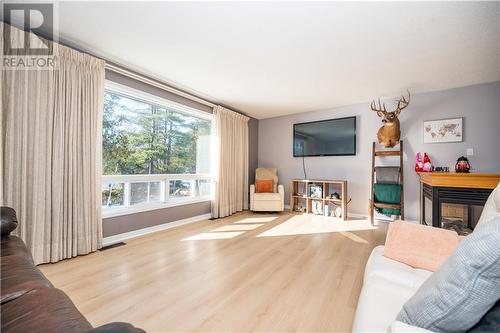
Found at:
(444, 130)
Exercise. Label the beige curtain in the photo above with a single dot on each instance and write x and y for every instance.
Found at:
(231, 169)
(51, 132)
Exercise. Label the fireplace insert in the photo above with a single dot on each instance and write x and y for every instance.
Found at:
(453, 208)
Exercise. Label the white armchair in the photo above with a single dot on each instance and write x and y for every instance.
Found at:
(267, 202)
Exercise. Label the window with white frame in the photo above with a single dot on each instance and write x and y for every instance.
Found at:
(155, 152)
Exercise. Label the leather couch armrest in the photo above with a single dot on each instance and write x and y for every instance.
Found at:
(116, 328)
(8, 220)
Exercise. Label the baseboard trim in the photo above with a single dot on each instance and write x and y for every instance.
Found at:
(357, 215)
(381, 217)
(362, 216)
(141, 232)
(365, 216)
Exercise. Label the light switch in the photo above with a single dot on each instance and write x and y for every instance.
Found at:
(470, 152)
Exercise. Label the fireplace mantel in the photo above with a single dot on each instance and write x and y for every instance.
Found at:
(453, 188)
(463, 180)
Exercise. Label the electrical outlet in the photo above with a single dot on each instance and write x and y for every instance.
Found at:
(470, 152)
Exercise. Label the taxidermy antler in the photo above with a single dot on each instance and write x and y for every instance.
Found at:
(388, 135)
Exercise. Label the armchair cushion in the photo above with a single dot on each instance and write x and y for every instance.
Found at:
(268, 173)
(267, 197)
(264, 186)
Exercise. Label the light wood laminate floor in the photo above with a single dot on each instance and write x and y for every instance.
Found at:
(249, 272)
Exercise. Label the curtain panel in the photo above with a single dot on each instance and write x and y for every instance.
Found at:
(231, 169)
(51, 158)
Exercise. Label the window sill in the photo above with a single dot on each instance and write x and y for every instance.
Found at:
(120, 211)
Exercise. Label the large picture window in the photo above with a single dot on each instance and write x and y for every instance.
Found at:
(155, 152)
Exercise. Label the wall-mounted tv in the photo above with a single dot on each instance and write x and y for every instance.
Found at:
(333, 137)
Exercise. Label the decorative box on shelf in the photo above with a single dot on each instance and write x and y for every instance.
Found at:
(315, 190)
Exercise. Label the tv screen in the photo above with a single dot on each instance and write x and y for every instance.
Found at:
(334, 137)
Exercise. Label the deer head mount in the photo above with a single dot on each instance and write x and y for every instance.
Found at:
(389, 134)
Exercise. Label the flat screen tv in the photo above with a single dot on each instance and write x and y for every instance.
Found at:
(333, 137)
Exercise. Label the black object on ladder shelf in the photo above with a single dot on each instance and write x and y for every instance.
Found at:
(387, 204)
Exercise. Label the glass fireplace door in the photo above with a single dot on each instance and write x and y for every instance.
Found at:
(461, 218)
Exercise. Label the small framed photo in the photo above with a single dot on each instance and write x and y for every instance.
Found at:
(444, 130)
(315, 191)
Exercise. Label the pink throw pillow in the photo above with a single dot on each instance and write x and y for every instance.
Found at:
(418, 245)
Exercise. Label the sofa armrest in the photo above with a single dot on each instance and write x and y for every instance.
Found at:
(400, 327)
(8, 220)
(116, 327)
(281, 191)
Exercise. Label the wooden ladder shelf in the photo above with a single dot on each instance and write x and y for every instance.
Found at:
(385, 153)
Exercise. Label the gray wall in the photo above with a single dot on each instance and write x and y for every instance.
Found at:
(125, 80)
(125, 223)
(253, 149)
(479, 105)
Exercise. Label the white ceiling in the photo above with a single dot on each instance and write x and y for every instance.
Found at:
(271, 59)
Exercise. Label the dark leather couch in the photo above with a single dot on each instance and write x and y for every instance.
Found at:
(29, 302)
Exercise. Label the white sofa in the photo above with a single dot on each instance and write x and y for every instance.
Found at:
(267, 202)
(388, 284)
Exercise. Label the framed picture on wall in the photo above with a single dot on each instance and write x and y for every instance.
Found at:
(444, 130)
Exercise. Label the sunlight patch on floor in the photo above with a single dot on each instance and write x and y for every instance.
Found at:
(214, 235)
(305, 225)
(233, 229)
(238, 227)
(264, 219)
(354, 237)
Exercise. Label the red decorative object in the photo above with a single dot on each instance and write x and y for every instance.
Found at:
(427, 163)
(423, 164)
(462, 164)
(419, 165)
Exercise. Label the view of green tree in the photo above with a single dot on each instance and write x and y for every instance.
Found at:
(143, 138)
(140, 138)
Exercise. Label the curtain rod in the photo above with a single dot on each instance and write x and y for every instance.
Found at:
(157, 84)
(136, 76)
(133, 75)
